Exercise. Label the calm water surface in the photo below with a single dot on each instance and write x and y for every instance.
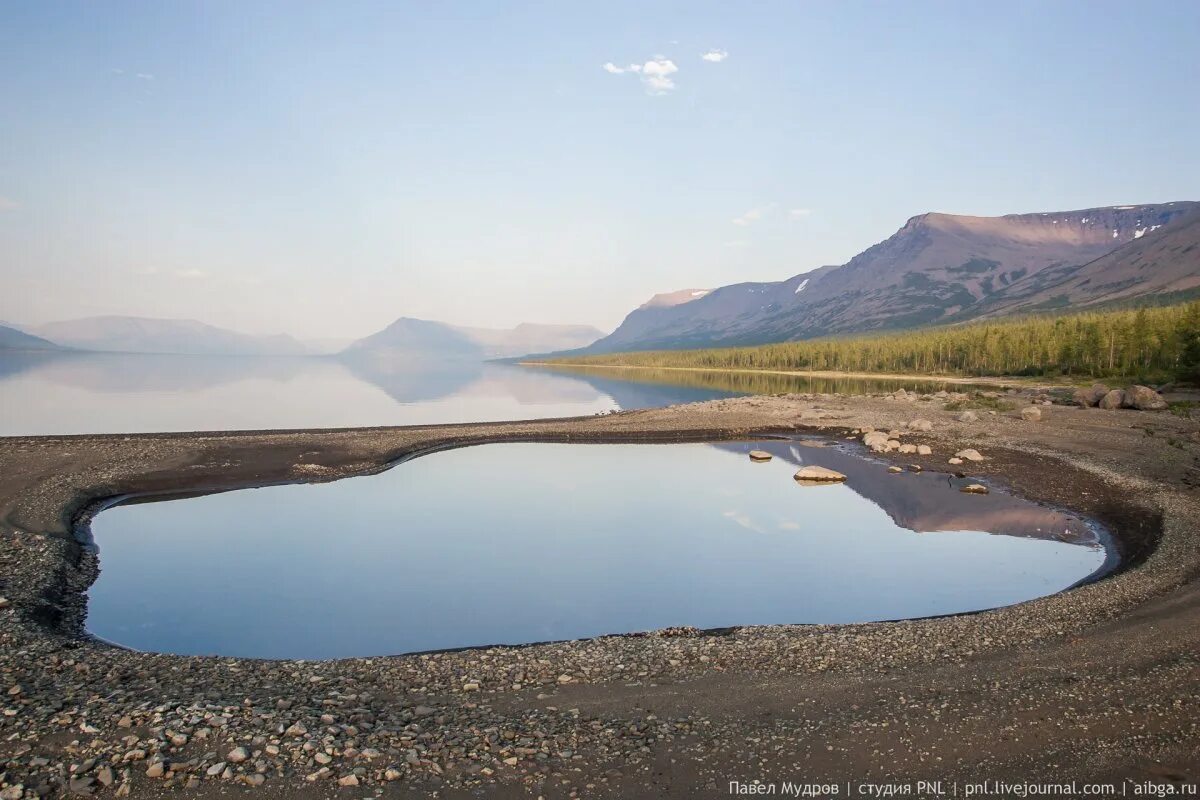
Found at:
(125, 393)
(516, 543)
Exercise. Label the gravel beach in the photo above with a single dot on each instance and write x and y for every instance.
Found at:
(1100, 683)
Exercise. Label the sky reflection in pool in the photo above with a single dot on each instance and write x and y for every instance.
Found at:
(517, 543)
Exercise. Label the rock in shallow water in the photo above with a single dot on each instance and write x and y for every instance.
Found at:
(974, 488)
(816, 474)
(760, 455)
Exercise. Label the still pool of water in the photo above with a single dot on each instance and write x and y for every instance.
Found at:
(518, 543)
(55, 393)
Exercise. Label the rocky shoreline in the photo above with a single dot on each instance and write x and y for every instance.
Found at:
(1098, 682)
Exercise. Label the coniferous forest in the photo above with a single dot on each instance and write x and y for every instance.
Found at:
(1160, 343)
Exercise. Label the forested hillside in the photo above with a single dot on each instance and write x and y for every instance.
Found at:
(1147, 342)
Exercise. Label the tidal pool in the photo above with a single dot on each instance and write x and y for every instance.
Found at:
(519, 543)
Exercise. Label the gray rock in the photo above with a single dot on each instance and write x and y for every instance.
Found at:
(876, 440)
(1031, 413)
(924, 450)
(815, 474)
(237, 755)
(1114, 399)
(920, 425)
(968, 416)
(1144, 398)
(969, 455)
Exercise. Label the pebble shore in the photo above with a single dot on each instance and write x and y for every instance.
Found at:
(1106, 673)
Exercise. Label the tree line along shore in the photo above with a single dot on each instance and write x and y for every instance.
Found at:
(1151, 344)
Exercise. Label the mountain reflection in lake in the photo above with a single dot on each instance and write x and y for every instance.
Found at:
(517, 543)
(55, 393)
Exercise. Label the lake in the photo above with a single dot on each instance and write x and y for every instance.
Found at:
(520, 543)
(58, 393)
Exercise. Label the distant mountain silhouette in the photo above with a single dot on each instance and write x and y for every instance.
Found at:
(13, 339)
(116, 334)
(425, 339)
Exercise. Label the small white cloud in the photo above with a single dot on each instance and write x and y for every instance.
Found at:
(145, 76)
(655, 73)
(753, 215)
(715, 56)
(8, 204)
(799, 213)
(191, 274)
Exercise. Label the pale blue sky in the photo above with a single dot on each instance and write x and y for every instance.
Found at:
(322, 168)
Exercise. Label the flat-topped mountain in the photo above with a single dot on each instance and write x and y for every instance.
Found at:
(425, 339)
(117, 334)
(937, 268)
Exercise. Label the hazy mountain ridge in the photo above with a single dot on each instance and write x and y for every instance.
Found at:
(409, 338)
(119, 334)
(936, 268)
(406, 337)
(13, 339)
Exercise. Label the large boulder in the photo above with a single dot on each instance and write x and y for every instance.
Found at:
(969, 455)
(920, 425)
(1031, 413)
(1144, 398)
(1091, 396)
(760, 455)
(876, 440)
(1114, 399)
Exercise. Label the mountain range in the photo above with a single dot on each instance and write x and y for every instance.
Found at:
(115, 334)
(937, 269)
(404, 339)
(417, 338)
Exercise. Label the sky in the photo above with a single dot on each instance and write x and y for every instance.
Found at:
(324, 168)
